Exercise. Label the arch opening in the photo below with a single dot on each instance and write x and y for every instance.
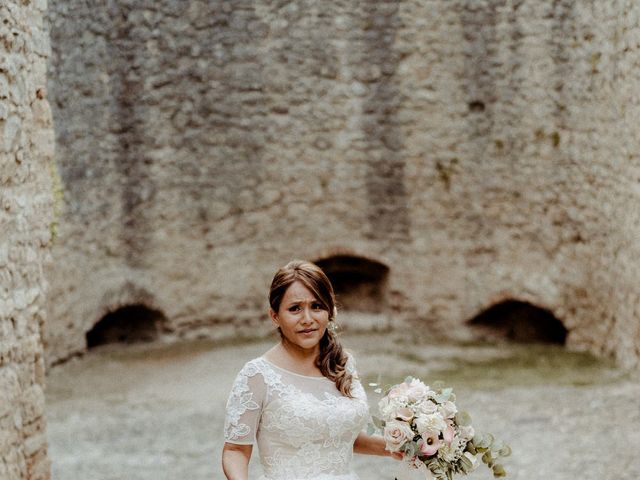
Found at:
(129, 324)
(359, 283)
(520, 322)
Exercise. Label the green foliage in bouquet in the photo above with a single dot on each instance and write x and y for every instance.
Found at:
(484, 444)
(457, 452)
(491, 450)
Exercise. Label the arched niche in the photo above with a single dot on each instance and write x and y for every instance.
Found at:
(359, 283)
(128, 324)
(520, 322)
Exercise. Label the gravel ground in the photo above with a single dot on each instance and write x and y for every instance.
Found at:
(155, 412)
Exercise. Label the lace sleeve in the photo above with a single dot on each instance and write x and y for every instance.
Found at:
(244, 406)
(356, 386)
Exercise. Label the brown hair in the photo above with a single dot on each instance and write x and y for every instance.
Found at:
(332, 359)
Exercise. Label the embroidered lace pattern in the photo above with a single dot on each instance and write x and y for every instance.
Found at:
(303, 426)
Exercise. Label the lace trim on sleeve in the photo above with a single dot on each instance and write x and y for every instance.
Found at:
(351, 365)
(240, 401)
(357, 390)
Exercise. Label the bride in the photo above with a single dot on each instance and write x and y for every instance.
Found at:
(301, 402)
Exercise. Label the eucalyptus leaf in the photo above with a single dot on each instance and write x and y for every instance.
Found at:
(408, 379)
(463, 419)
(438, 384)
(378, 422)
(499, 471)
(484, 441)
(443, 396)
(412, 451)
(505, 451)
(371, 429)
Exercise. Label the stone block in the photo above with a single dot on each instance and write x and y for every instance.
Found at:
(32, 403)
(9, 390)
(11, 131)
(35, 444)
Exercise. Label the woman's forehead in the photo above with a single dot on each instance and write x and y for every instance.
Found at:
(297, 292)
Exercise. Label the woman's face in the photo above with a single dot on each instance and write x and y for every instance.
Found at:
(301, 317)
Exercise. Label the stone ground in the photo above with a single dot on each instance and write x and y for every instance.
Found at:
(155, 412)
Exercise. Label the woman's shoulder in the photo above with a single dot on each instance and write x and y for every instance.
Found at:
(253, 366)
(350, 356)
(260, 367)
(350, 364)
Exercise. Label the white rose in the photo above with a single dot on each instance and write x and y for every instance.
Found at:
(396, 434)
(388, 407)
(427, 407)
(383, 407)
(431, 423)
(417, 390)
(448, 409)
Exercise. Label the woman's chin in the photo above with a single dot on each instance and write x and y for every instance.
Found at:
(306, 343)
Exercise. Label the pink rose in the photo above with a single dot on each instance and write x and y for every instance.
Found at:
(405, 414)
(396, 434)
(430, 444)
(398, 391)
(448, 433)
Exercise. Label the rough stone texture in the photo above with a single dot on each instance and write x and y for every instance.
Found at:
(482, 150)
(26, 169)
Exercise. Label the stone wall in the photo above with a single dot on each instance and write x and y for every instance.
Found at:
(26, 169)
(482, 151)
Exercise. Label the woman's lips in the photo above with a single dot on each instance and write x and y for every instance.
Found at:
(307, 331)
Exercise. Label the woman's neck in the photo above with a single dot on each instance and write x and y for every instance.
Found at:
(297, 359)
(299, 354)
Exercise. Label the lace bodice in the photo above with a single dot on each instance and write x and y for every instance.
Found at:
(303, 426)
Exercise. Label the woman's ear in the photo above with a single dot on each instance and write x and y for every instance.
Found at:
(274, 317)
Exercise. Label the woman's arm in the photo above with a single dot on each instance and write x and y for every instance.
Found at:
(373, 445)
(235, 461)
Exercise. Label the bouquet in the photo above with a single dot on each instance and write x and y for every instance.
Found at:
(425, 425)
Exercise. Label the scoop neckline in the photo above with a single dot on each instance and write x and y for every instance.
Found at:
(316, 377)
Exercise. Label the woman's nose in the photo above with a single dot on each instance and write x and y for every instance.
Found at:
(307, 315)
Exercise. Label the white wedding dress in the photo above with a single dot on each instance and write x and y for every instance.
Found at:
(303, 426)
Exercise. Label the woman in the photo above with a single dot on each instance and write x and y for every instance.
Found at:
(301, 401)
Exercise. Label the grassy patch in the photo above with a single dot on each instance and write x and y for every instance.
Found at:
(511, 366)
(529, 365)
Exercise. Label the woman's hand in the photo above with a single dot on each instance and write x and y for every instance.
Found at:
(374, 445)
(397, 455)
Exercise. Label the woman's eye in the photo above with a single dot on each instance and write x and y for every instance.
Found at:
(316, 306)
(294, 308)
